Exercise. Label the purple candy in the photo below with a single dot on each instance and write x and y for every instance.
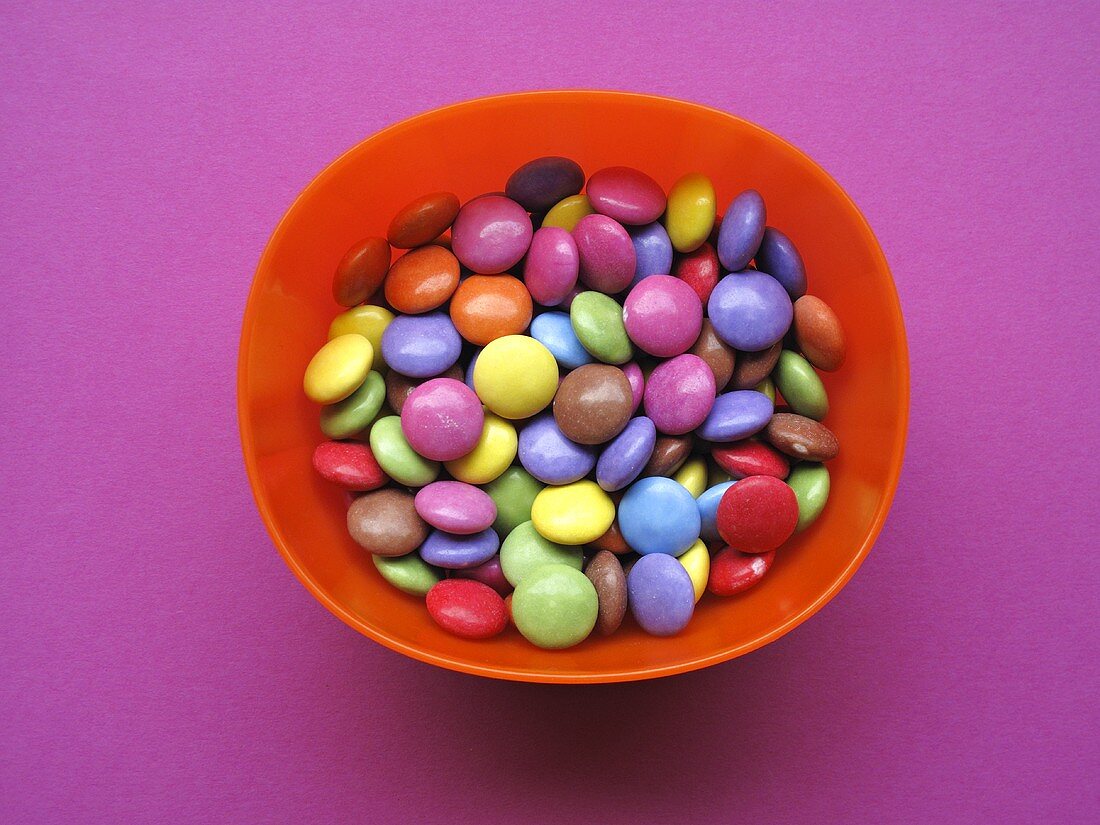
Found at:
(470, 370)
(652, 251)
(779, 258)
(455, 507)
(549, 456)
(679, 394)
(663, 315)
(750, 310)
(542, 182)
(606, 254)
(637, 383)
(421, 346)
(736, 415)
(442, 419)
(489, 573)
(660, 594)
(458, 552)
(625, 457)
(552, 266)
(741, 230)
(491, 234)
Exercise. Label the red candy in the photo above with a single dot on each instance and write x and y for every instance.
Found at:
(699, 269)
(467, 608)
(751, 458)
(757, 514)
(350, 464)
(732, 571)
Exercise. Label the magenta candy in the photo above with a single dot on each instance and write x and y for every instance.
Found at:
(679, 394)
(455, 507)
(489, 573)
(663, 315)
(491, 234)
(637, 383)
(552, 265)
(606, 254)
(442, 419)
(628, 195)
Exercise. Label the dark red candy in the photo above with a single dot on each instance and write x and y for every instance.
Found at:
(467, 608)
(699, 269)
(732, 571)
(350, 464)
(751, 458)
(757, 514)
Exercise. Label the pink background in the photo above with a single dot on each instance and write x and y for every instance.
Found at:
(158, 662)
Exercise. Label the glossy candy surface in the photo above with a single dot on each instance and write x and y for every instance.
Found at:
(442, 419)
(663, 316)
(699, 269)
(576, 513)
(422, 220)
(718, 355)
(818, 333)
(385, 522)
(455, 552)
(422, 280)
(467, 608)
(487, 307)
(360, 271)
(801, 387)
(606, 252)
(757, 514)
(350, 465)
(661, 594)
(732, 571)
(552, 265)
(736, 415)
(652, 251)
(491, 234)
(516, 376)
(554, 330)
(679, 394)
(368, 320)
(657, 515)
(742, 230)
(606, 574)
(338, 369)
(750, 458)
(491, 456)
(352, 415)
(548, 455)
(555, 607)
(593, 404)
(623, 460)
(542, 182)
(513, 492)
(691, 211)
(421, 346)
(567, 212)
(750, 310)
(456, 507)
(598, 322)
(779, 257)
(628, 195)
(397, 457)
(525, 550)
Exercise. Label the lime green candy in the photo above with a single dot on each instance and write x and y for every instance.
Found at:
(355, 413)
(810, 482)
(598, 322)
(513, 492)
(396, 458)
(767, 386)
(800, 385)
(409, 574)
(555, 606)
(524, 551)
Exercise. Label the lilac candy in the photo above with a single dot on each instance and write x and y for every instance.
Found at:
(708, 511)
(679, 394)
(455, 507)
(736, 415)
(626, 456)
(489, 573)
(552, 266)
(470, 370)
(606, 254)
(652, 251)
(741, 231)
(458, 552)
(421, 346)
(779, 257)
(660, 594)
(750, 310)
(663, 315)
(491, 234)
(442, 419)
(549, 456)
(554, 330)
(637, 383)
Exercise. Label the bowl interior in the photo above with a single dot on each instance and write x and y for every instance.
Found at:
(471, 148)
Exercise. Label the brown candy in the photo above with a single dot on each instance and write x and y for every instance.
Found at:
(718, 355)
(361, 271)
(606, 574)
(669, 455)
(754, 367)
(818, 333)
(593, 404)
(612, 541)
(423, 220)
(801, 437)
(386, 523)
(399, 386)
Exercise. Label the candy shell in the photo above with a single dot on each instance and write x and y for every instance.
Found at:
(567, 212)
(778, 257)
(801, 437)
(818, 333)
(488, 572)
(399, 387)
(810, 483)
(397, 457)
(634, 375)
(355, 413)
(552, 265)
(669, 454)
(555, 607)
(491, 456)
(767, 386)
(751, 458)
(422, 220)
(736, 415)
(607, 258)
(598, 322)
(679, 394)
(693, 476)
(361, 271)
(525, 550)
(628, 195)
(753, 367)
(708, 511)
(456, 507)
(338, 369)
(455, 552)
(696, 562)
(516, 376)
(652, 251)
(574, 514)
(548, 455)
(718, 355)
(513, 492)
(350, 465)
(554, 331)
(606, 574)
(801, 387)
(421, 346)
(593, 404)
(385, 522)
(660, 594)
(699, 270)
(625, 457)
(467, 608)
(732, 571)
(757, 514)
(750, 310)
(542, 182)
(742, 230)
(368, 320)
(442, 419)
(409, 573)
(491, 234)
(487, 307)
(612, 541)
(422, 279)
(663, 316)
(657, 515)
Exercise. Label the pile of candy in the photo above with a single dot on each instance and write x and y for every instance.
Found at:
(484, 408)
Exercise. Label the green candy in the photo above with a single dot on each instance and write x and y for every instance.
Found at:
(767, 386)
(396, 458)
(598, 322)
(525, 550)
(409, 574)
(800, 385)
(356, 412)
(513, 492)
(810, 482)
(555, 607)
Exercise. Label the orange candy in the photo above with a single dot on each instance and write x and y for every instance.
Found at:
(422, 279)
(423, 220)
(360, 271)
(487, 307)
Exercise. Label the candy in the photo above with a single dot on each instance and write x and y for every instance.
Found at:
(409, 573)
(801, 437)
(634, 375)
(355, 413)
(612, 541)
(488, 572)
(699, 270)
(487, 307)
(750, 458)
(652, 251)
(679, 394)
(423, 219)
(513, 492)
(456, 507)
(385, 523)
(800, 385)
(567, 212)
(693, 476)
(718, 355)
(555, 607)
(338, 369)
(421, 346)
(350, 465)
(397, 457)
(525, 550)
(422, 279)
(732, 571)
(542, 182)
(491, 234)
(574, 514)
(750, 310)
(360, 271)
(810, 483)
(661, 595)
(494, 451)
(369, 321)
(669, 454)
(607, 258)
(818, 333)
(708, 511)
(753, 367)
(467, 608)
(742, 230)
(454, 552)
(548, 455)
(663, 316)
(736, 415)
(442, 419)
(778, 257)
(625, 457)
(598, 321)
(757, 514)
(628, 195)
(767, 386)
(593, 404)
(696, 562)
(657, 515)
(691, 211)
(516, 376)
(552, 265)
(399, 387)
(554, 331)
(607, 577)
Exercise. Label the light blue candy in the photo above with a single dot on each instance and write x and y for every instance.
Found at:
(708, 511)
(554, 331)
(658, 515)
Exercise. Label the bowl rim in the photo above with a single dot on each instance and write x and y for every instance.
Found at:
(493, 671)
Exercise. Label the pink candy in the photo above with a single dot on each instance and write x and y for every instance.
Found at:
(607, 256)
(628, 195)
(663, 315)
(550, 271)
(491, 234)
(442, 419)
(679, 394)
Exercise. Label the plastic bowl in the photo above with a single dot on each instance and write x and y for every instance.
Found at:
(470, 148)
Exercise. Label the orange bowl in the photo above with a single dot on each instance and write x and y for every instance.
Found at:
(470, 148)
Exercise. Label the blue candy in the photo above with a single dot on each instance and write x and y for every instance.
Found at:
(459, 552)
(421, 346)
(658, 515)
(554, 331)
(779, 258)
(741, 231)
(708, 511)
(736, 415)
(626, 456)
(652, 251)
(549, 456)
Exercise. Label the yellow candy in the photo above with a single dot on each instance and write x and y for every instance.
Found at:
(338, 369)
(577, 513)
(565, 213)
(515, 376)
(696, 560)
(689, 217)
(767, 386)
(693, 476)
(367, 320)
(491, 456)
